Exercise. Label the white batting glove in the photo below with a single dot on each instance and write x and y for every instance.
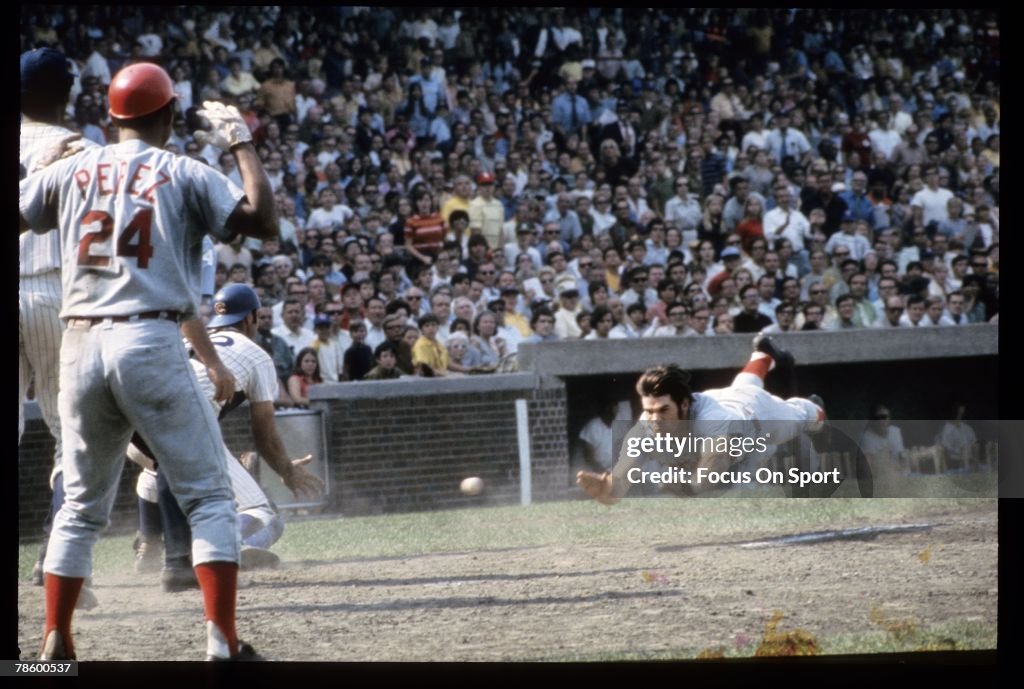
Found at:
(228, 127)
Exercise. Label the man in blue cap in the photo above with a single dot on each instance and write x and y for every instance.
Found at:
(45, 86)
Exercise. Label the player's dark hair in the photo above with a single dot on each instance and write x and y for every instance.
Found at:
(427, 319)
(668, 380)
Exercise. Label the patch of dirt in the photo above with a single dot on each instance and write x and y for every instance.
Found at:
(555, 602)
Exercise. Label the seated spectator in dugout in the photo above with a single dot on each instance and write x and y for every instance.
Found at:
(596, 438)
(957, 440)
(882, 441)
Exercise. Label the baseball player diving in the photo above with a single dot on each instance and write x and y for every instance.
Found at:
(260, 526)
(744, 408)
(131, 217)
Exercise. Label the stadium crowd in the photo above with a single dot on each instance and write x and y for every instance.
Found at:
(453, 182)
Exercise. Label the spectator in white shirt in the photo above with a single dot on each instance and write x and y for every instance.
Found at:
(931, 203)
(914, 316)
(784, 221)
(786, 142)
(683, 210)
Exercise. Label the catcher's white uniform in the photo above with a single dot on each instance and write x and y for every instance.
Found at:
(255, 377)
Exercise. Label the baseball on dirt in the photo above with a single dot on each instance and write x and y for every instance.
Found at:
(474, 485)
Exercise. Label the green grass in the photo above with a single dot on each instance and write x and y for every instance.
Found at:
(573, 522)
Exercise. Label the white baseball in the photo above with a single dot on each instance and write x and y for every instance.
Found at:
(474, 485)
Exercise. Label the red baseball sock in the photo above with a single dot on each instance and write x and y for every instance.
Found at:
(219, 582)
(759, 364)
(61, 597)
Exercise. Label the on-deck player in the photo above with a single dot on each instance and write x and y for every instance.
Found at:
(131, 218)
(233, 324)
(666, 397)
(45, 86)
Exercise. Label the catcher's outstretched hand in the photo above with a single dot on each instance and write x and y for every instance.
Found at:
(301, 482)
(597, 486)
(227, 127)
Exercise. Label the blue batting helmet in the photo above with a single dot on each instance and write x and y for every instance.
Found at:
(231, 304)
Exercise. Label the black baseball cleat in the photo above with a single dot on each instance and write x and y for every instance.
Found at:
(785, 363)
(246, 653)
(177, 579)
(764, 344)
(821, 439)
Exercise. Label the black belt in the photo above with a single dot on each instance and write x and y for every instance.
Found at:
(146, 315)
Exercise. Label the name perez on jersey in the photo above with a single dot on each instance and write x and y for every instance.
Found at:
(111, 181)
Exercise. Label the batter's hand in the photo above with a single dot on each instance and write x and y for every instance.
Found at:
(228, 127)
(223, 382)
(302, 483)
(597, 486)
(67, 146)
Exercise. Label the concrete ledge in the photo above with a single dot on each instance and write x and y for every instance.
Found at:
(413, 386)
(584, 358)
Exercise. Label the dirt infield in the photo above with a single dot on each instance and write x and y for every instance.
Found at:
(651, 599)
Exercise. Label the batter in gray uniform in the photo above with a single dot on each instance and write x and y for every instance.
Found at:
(131, 218)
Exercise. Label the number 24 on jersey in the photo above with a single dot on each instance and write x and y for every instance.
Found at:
(94, 246)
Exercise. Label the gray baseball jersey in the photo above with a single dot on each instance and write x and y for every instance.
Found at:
(132, 219)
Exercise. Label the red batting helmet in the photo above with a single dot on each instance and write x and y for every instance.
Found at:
(138, 90)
